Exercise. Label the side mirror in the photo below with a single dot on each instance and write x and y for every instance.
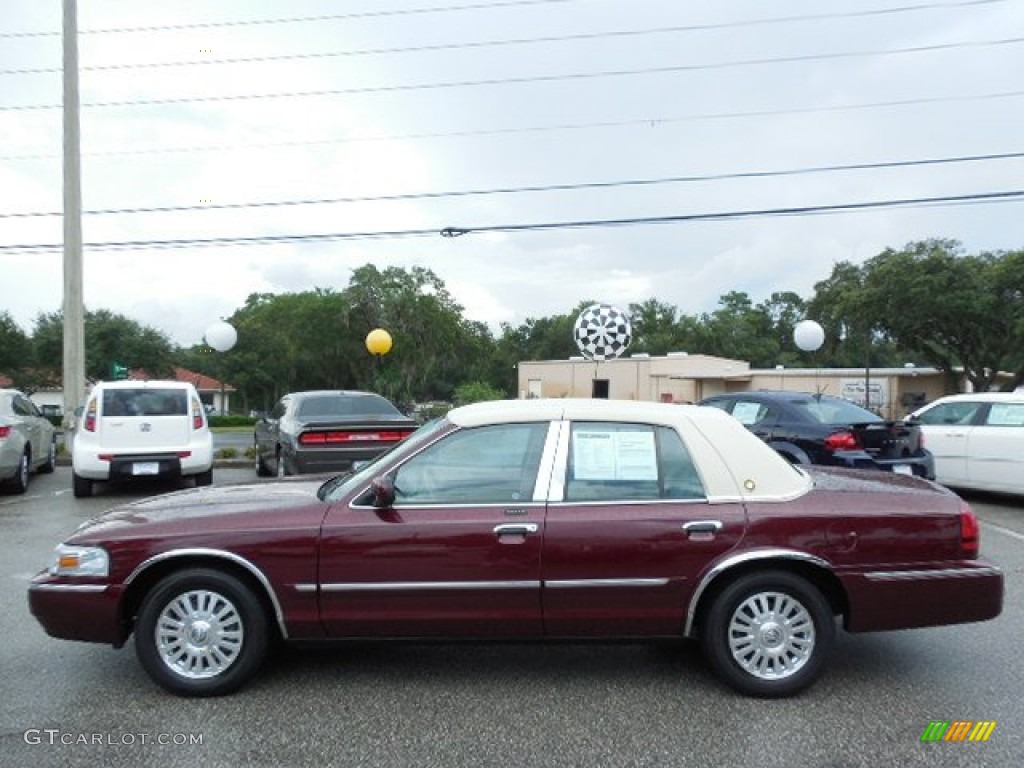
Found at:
(383, 488)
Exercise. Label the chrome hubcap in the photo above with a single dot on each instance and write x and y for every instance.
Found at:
(771, 635)
(199, 634)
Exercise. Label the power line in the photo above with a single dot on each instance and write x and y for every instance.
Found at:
(652, 122)
(138, 245)
(371, 89)
(881, 165)
(503, 42)
(300, 19)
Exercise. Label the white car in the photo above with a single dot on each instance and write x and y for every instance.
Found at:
(27, 440)
(141, 429)
(977, 440)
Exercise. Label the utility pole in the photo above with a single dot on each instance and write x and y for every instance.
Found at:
(73, 376)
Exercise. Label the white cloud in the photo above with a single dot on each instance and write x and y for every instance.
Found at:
(318, 147)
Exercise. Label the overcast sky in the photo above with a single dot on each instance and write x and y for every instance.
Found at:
(416, 99)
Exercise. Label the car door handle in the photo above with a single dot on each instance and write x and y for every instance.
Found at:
(515, 529)
(703, 526)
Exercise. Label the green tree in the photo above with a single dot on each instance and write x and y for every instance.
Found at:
(16, 360)
(944, 305)
(739, 330)
(434, 345)
(476, 392)
(109, 337)
(655, 327)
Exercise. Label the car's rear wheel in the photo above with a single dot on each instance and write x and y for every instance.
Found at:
(262, 470)
(82, 486)
(768, 634)
(19, 483)
(201, 632)
(204, 478)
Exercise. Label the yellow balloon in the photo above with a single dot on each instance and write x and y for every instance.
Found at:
(378, 342)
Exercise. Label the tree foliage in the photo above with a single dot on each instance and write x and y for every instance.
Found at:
(927, 302)
(109, 338)
(15, 351)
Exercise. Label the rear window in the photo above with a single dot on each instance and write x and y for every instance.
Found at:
(145, 402)
(333, 405)
(831, 411)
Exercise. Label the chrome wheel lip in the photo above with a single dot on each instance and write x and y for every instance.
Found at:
(199, 634)
(771, 635)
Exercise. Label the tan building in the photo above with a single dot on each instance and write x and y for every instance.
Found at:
(684, 378)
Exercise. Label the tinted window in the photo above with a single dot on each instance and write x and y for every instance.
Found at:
(23, 407)
(623, 462)
(750, 412)
(486, 465)
(145, 402)
(1005, 415)
(331, 406)
(950, 413)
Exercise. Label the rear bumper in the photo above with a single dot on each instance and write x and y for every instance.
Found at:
(120, 466)
(905, 598)
(310, 461)
(920, 466)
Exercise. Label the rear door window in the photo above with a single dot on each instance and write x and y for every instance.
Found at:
(629, 462)
(145, 402)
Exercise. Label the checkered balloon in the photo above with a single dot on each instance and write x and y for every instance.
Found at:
(603, 332)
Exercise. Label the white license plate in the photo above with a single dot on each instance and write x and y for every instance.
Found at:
(902, 469)
(146, 468)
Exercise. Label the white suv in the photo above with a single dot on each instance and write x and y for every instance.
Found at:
(141, 429)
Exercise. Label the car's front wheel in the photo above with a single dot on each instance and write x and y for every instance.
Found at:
(768, 634)
(201, 632)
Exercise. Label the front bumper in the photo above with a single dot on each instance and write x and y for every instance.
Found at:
(77, 610)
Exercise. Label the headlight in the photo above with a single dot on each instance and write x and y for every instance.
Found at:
(80, 561)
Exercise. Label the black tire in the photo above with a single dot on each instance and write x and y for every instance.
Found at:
(19, 483)
(204, 478)
(225, 624)
(51, 459)
(768, 634)
(282, 465)
(262, 470)
(82, 486)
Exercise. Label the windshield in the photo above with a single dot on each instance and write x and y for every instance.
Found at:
(338, 486)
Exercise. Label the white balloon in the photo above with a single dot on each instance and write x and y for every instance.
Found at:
(808, 335)
(221, 336)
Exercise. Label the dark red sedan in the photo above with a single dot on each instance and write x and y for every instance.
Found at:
(533, 518)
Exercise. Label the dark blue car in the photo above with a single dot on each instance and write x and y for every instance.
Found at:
(820, 429)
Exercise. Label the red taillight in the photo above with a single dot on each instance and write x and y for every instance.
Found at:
(970, 533)
(4, 432)
(89, 423)
(197, 414)
(842, 441)
(337, 437)
(184, 454)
